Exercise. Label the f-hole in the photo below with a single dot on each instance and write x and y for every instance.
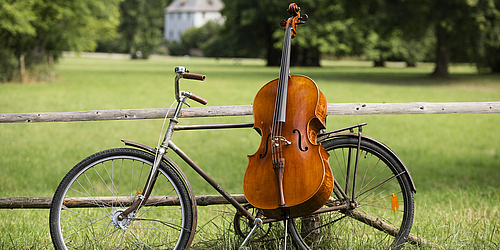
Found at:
(267, 143)
(300, 141)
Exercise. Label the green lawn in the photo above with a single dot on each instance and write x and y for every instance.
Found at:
(454, 159)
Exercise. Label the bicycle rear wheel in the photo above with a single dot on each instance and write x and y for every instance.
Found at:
(85, 208)
(382, 197)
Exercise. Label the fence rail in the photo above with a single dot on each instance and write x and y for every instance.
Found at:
(44, 202)
(211, 111)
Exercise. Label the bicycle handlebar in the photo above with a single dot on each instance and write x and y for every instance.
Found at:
(197, 99)
(182, 72)
(194, 76)
(192, 96)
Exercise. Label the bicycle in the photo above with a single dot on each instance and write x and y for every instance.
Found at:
(137, 197)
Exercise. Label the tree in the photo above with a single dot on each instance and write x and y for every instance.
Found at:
(487, 35)
(327, 31)
(205, 40)
(249, 27)
(252, 29)
(15, 20)
(395, 47)
(141, 26)
(36, 29)
(456, 24)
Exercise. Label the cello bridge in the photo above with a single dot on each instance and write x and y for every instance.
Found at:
(275, 140)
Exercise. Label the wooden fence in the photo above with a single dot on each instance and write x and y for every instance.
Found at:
(211, 111)
(203, 200)
(333, 109)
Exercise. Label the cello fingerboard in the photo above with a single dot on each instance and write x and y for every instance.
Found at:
(281, 96)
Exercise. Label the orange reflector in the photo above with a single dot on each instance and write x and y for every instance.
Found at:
(394, 202)
(140, 192)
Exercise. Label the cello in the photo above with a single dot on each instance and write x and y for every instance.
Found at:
(289, 175)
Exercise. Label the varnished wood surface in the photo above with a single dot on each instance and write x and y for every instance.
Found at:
(307, 176)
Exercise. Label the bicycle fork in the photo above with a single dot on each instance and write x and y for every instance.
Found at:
(160, 152)
(181, 97)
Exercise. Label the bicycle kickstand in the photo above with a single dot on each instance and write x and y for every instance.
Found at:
(258, 223)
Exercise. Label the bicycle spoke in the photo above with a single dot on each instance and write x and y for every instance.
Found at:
(379, 186)
(96, 239)
(92, 197)
(92, 220)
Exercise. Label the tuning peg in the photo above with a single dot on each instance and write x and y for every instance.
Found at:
(303, 19)
(283, 23)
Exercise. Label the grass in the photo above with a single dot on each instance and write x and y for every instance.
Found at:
(454, 159)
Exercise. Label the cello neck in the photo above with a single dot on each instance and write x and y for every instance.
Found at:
(281, 96)
(290, 32)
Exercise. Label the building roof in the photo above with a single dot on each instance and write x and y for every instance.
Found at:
(194, 6)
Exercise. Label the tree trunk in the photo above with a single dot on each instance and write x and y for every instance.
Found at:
(299, 56)
(22, 69)
(379, 63)
(442, 57)
(308, 57)
(52, 74)
(273, 55)
(495, 63)
(496, 68)
(411, 64)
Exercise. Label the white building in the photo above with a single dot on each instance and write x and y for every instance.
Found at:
(181, 15)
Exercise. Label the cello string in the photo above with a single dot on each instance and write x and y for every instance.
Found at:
(280, 105)
(284, 75)
(277, 125)
(284, 72)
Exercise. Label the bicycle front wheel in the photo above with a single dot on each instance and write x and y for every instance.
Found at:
(382, 203)
(85, 208)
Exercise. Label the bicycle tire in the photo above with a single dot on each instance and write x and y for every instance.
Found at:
(120, 174)
(380, 175)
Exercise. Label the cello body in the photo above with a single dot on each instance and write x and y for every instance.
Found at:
(306, 181)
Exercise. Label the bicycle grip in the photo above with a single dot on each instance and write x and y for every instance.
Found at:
(194, 76)
(198, 99)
